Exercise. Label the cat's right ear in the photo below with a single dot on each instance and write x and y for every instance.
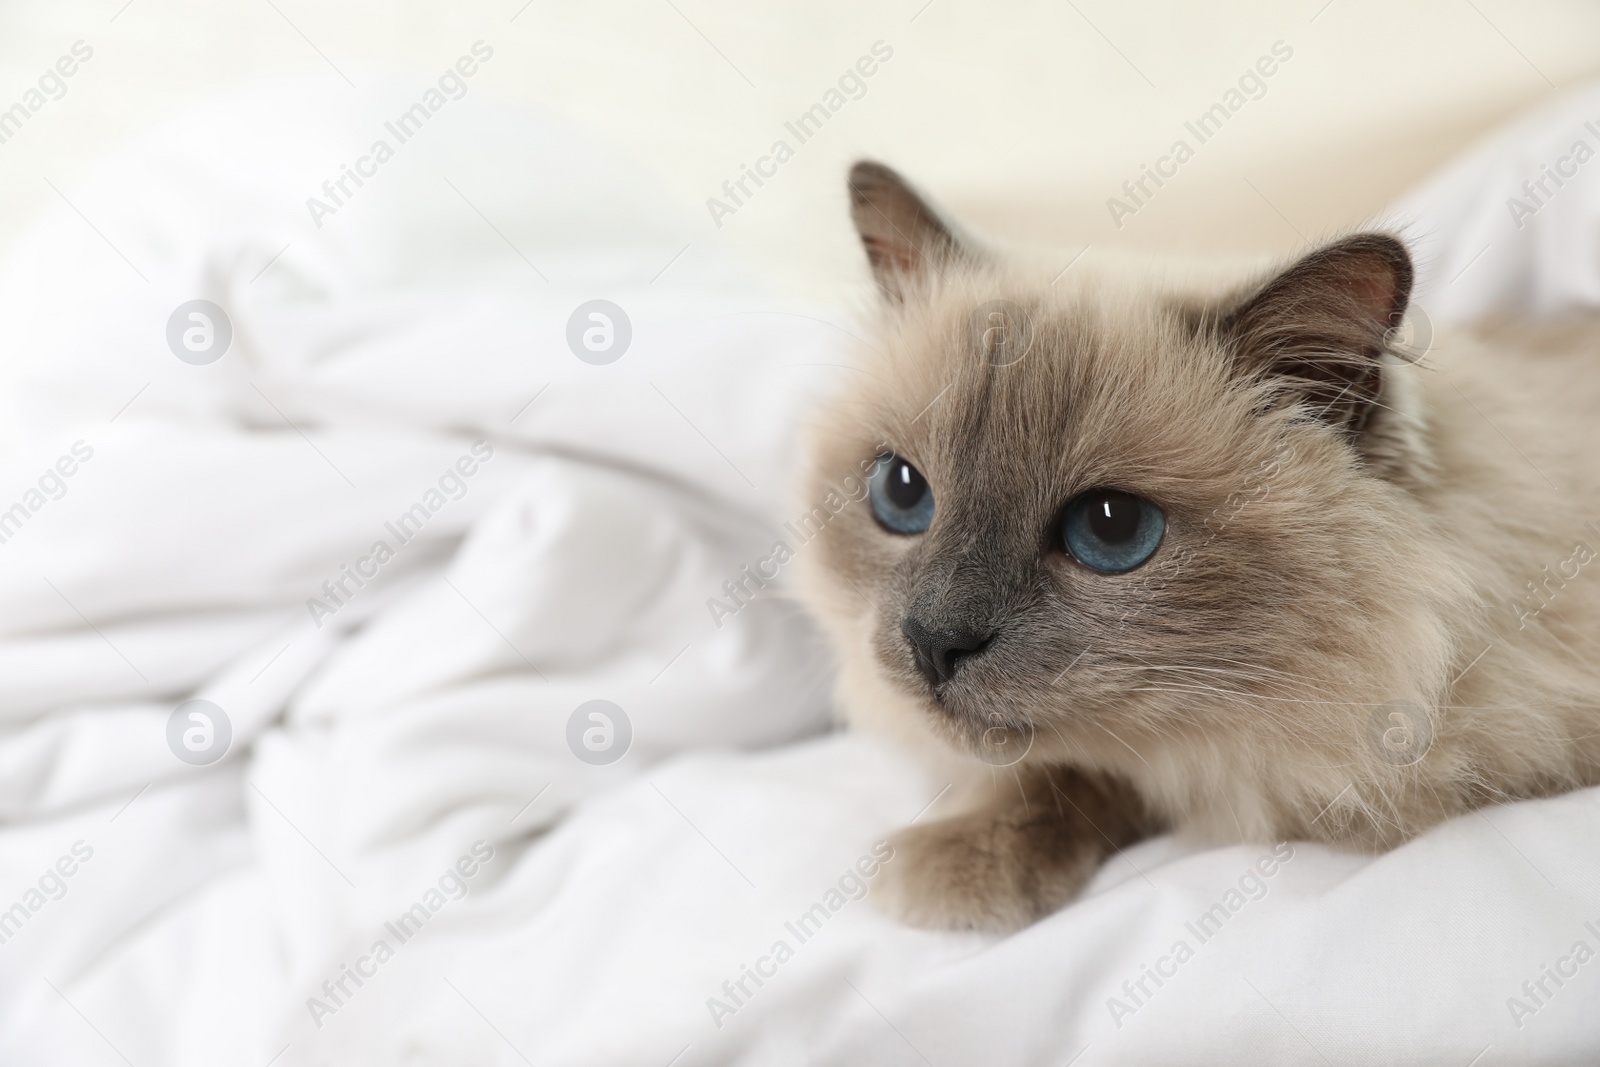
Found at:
(905, 237)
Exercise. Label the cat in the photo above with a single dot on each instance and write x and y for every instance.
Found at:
(1222, 559)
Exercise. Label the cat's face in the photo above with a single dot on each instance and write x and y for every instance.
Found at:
(1165, 518)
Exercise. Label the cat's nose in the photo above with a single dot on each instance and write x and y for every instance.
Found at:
(940, 652)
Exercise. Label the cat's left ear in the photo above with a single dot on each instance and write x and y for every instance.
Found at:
(1320, 327)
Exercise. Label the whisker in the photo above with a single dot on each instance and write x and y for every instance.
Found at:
(1124, 744)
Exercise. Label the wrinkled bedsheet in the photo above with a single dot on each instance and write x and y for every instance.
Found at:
(425, 843)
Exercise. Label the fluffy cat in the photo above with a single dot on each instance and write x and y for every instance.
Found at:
(1222, 560)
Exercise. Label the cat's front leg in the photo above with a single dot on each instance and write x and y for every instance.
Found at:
(1017, 858)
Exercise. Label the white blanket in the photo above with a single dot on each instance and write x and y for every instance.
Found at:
(402, 858)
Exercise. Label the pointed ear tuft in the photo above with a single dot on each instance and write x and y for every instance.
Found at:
(904, 235)
(1321, 327)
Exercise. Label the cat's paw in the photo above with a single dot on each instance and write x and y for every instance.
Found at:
(980, 873)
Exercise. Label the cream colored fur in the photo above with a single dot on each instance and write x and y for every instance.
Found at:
(1320, 605)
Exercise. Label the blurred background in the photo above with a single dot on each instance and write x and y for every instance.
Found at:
(1023, 118)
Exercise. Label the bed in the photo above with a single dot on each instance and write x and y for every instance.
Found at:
(397, 833)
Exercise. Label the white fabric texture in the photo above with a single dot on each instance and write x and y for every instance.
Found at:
(382, 752)
(1513, 225)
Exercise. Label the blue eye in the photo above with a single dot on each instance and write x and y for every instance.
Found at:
(901, 498)
(1111, 531)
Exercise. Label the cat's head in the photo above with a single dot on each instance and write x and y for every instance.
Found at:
(1122, 523)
